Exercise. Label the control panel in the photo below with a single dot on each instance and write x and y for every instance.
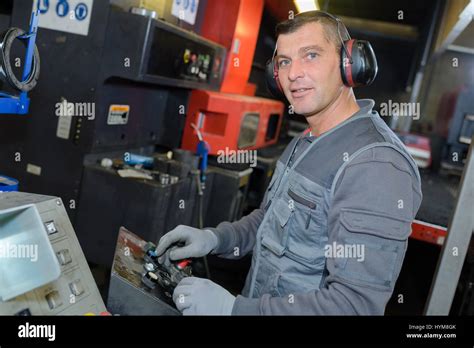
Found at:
(138, 284)
(161, 53)
(74, 291)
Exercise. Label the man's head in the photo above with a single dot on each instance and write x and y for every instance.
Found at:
(308, 61)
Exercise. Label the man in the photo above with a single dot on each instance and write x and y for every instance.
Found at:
(332, 231)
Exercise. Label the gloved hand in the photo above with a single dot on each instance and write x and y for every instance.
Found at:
(197, 243)
(199, 296)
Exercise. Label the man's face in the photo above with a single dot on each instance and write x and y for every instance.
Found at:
(308, 69)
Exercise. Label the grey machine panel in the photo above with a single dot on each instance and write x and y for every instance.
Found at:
(74, 292)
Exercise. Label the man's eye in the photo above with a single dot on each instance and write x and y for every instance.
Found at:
(312, 55)
(282, 63)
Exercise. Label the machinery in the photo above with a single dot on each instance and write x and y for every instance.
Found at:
(126, 93)
(453, 129)
(42, 267)
(227, 195)
(461, 129)
(231, 122)
(167, 195)
(132, 290)
(19, 102)
(124, 87)
(8, 184)
(233, 118)
(262, 174)
(150, 206)
(121, 88)
(167, 275)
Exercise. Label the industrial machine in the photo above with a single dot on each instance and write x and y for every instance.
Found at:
(130, 293)
(262, 174)
(418, 147)
(231, 122)
(166, 195)
(42, 267)
(453, 129)
(227, 196)
(123, 87)
(8, 184)
(461, 129)
(151, 205)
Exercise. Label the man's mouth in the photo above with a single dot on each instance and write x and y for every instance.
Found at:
(300, 92)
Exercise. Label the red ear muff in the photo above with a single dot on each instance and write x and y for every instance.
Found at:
(346, 68)
(359, 65)
(272, 81)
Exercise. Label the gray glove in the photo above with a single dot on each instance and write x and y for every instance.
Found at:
(198, 296)
(197, 242)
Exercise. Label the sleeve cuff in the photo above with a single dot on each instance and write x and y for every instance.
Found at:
(246, 306)
(224, 239)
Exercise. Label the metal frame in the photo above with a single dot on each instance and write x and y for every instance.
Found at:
(459, 235)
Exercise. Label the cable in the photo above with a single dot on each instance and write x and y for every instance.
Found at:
(6, 72)
(201, 220)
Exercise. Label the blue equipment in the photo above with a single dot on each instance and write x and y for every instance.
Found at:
(19, 104)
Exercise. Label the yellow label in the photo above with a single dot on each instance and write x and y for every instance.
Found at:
(119, 108)
(118, 114)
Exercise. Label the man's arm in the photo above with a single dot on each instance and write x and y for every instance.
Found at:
(237, 239)
(242, 234)
(375, 200)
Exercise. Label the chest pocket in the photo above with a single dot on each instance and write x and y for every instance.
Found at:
(297, 225)
(305, 226)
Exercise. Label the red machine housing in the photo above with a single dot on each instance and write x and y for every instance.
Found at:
(231, 121)
(235, 25)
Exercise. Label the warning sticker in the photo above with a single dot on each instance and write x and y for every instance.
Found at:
(118, 114)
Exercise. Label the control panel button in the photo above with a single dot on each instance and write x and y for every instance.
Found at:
(53, 299)
(50, 227)
(64, 257)
(76, 287)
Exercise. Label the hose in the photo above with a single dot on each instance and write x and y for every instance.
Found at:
(6, 72)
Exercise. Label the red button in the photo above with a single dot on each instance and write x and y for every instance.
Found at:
(183, 264)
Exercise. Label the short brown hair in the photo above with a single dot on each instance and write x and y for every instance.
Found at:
(330, 26)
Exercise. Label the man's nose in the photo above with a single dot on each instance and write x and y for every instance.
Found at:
(296, 70)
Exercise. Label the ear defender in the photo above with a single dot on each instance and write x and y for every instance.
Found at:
(358, 62)
(271, 79)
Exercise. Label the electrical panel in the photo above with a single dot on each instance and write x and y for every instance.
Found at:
(27, 218)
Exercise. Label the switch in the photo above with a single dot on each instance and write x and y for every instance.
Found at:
(183, 264)
(76, 287)
(64, 257)
(54, 300)
(150, 279)
(50, 227)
